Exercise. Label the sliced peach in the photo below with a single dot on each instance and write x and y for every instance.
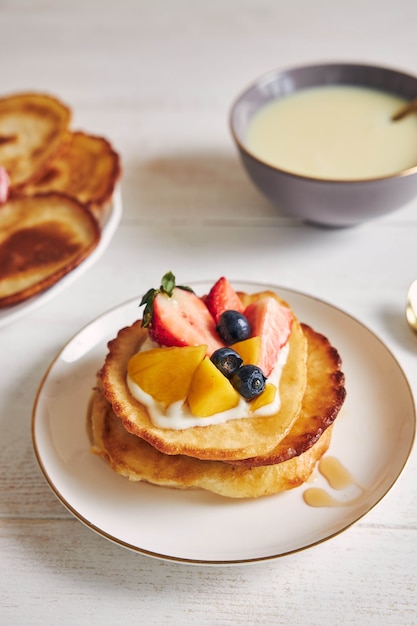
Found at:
(166, 373)
(266, 397)
(210, 391)
(249, 350)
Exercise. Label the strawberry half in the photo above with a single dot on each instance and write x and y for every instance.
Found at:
(271, 321)
(222, 297)
(176, 316)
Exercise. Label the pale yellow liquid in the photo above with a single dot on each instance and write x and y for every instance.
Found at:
(339, 132)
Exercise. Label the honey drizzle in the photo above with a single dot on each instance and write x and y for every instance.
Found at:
(338, 478)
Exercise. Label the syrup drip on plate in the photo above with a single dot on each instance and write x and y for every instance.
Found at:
(338, 478)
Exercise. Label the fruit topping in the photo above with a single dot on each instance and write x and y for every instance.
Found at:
(212, 350)
(166, 373)
(272, 322)
(222, 297)
(176, 316)
(210, 392)
(249, 381)
(233, 326)
(226, 360)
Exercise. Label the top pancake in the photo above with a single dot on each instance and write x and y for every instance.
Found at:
(232, 440)
(32, 128)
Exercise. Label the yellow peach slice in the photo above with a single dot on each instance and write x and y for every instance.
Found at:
(210, 391)
(266, 397)
(249, 350)
(166, 373)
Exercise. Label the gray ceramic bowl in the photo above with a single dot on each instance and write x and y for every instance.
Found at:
(326, 202)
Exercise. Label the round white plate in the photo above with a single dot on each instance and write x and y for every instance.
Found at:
(15, 312)
(372, 438)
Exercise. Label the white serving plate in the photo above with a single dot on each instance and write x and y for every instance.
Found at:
(372, 439)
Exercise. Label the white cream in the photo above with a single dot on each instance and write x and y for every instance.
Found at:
(340, 132)
(178, 416)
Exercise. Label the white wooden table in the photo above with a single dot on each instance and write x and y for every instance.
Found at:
(157, 78)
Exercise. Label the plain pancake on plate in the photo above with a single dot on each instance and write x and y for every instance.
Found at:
(32, 129)
(86, 168)
(234, 439)
(42, 238)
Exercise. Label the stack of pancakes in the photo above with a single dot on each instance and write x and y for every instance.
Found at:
(61, 183)
(241, 458)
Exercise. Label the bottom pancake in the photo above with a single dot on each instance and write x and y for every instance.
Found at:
(137, 460)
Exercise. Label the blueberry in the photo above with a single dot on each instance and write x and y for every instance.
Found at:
(226, 360)
(233, 326)
(249, 381)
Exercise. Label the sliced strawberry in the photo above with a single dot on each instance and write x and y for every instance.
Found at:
(222, 297)
(183, 319)
(271, 321)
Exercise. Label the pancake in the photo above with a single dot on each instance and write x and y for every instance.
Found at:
(86, 168)
(137, 460)
(32, 129)
(229, 441)
(42, 238)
